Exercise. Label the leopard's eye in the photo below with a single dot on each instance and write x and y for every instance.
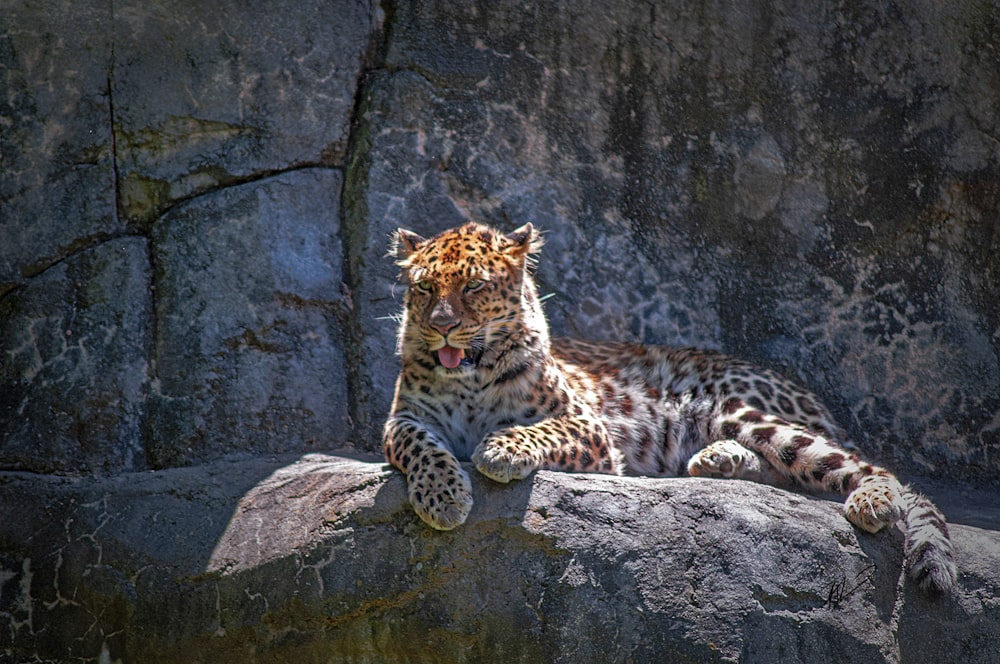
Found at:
(473, 285)
(424, 286)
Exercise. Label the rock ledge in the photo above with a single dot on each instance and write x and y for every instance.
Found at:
(319, 559)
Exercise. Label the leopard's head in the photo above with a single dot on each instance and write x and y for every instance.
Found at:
(465, 288)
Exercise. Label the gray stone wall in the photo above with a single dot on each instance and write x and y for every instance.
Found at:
(195, 200)
(171, 266)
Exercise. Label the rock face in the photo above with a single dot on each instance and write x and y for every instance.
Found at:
(202, 155)
(194, 208)
(812, 189)
(260, 366)
(320, 559)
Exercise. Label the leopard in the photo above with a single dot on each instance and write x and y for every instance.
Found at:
(482, 381)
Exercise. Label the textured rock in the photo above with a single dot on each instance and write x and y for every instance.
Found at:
(248, 352)
(225, 335)
(210, 95)
(321, 559)
(56, 163)
(74, 376)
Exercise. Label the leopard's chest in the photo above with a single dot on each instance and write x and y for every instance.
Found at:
(465, 426)
(466, 410)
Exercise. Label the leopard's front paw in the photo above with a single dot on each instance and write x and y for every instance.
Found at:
(441, 497)
(723, 458)
(875, 504)
(504, 460)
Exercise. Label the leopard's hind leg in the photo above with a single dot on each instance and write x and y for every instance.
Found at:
(813, 461)
(875, 498)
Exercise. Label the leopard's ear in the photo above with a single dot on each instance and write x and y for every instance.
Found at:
(525, 240)
(404, 243)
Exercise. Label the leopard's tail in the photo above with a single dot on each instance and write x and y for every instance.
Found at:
(930, 555)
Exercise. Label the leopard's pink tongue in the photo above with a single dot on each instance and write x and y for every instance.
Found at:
(450, 357)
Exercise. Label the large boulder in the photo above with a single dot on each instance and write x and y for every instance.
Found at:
(320, 559)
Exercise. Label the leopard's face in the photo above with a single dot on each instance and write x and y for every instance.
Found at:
(463, 289)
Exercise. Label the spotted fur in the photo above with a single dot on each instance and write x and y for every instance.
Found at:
(482, 380)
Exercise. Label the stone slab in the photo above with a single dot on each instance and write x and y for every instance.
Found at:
(74, 347)
(248, 350)
(319, 558)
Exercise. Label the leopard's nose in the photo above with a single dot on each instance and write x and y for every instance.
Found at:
(443, 317)
(444, 326)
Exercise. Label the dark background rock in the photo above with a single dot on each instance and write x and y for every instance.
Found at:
(75, 367)
(815, 190)
(209, 95)
(195, 202)
(215, 138)
(57, 180)
(257, 364)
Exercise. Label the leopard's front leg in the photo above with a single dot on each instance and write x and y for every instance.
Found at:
(569, 444)
(438, 486)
